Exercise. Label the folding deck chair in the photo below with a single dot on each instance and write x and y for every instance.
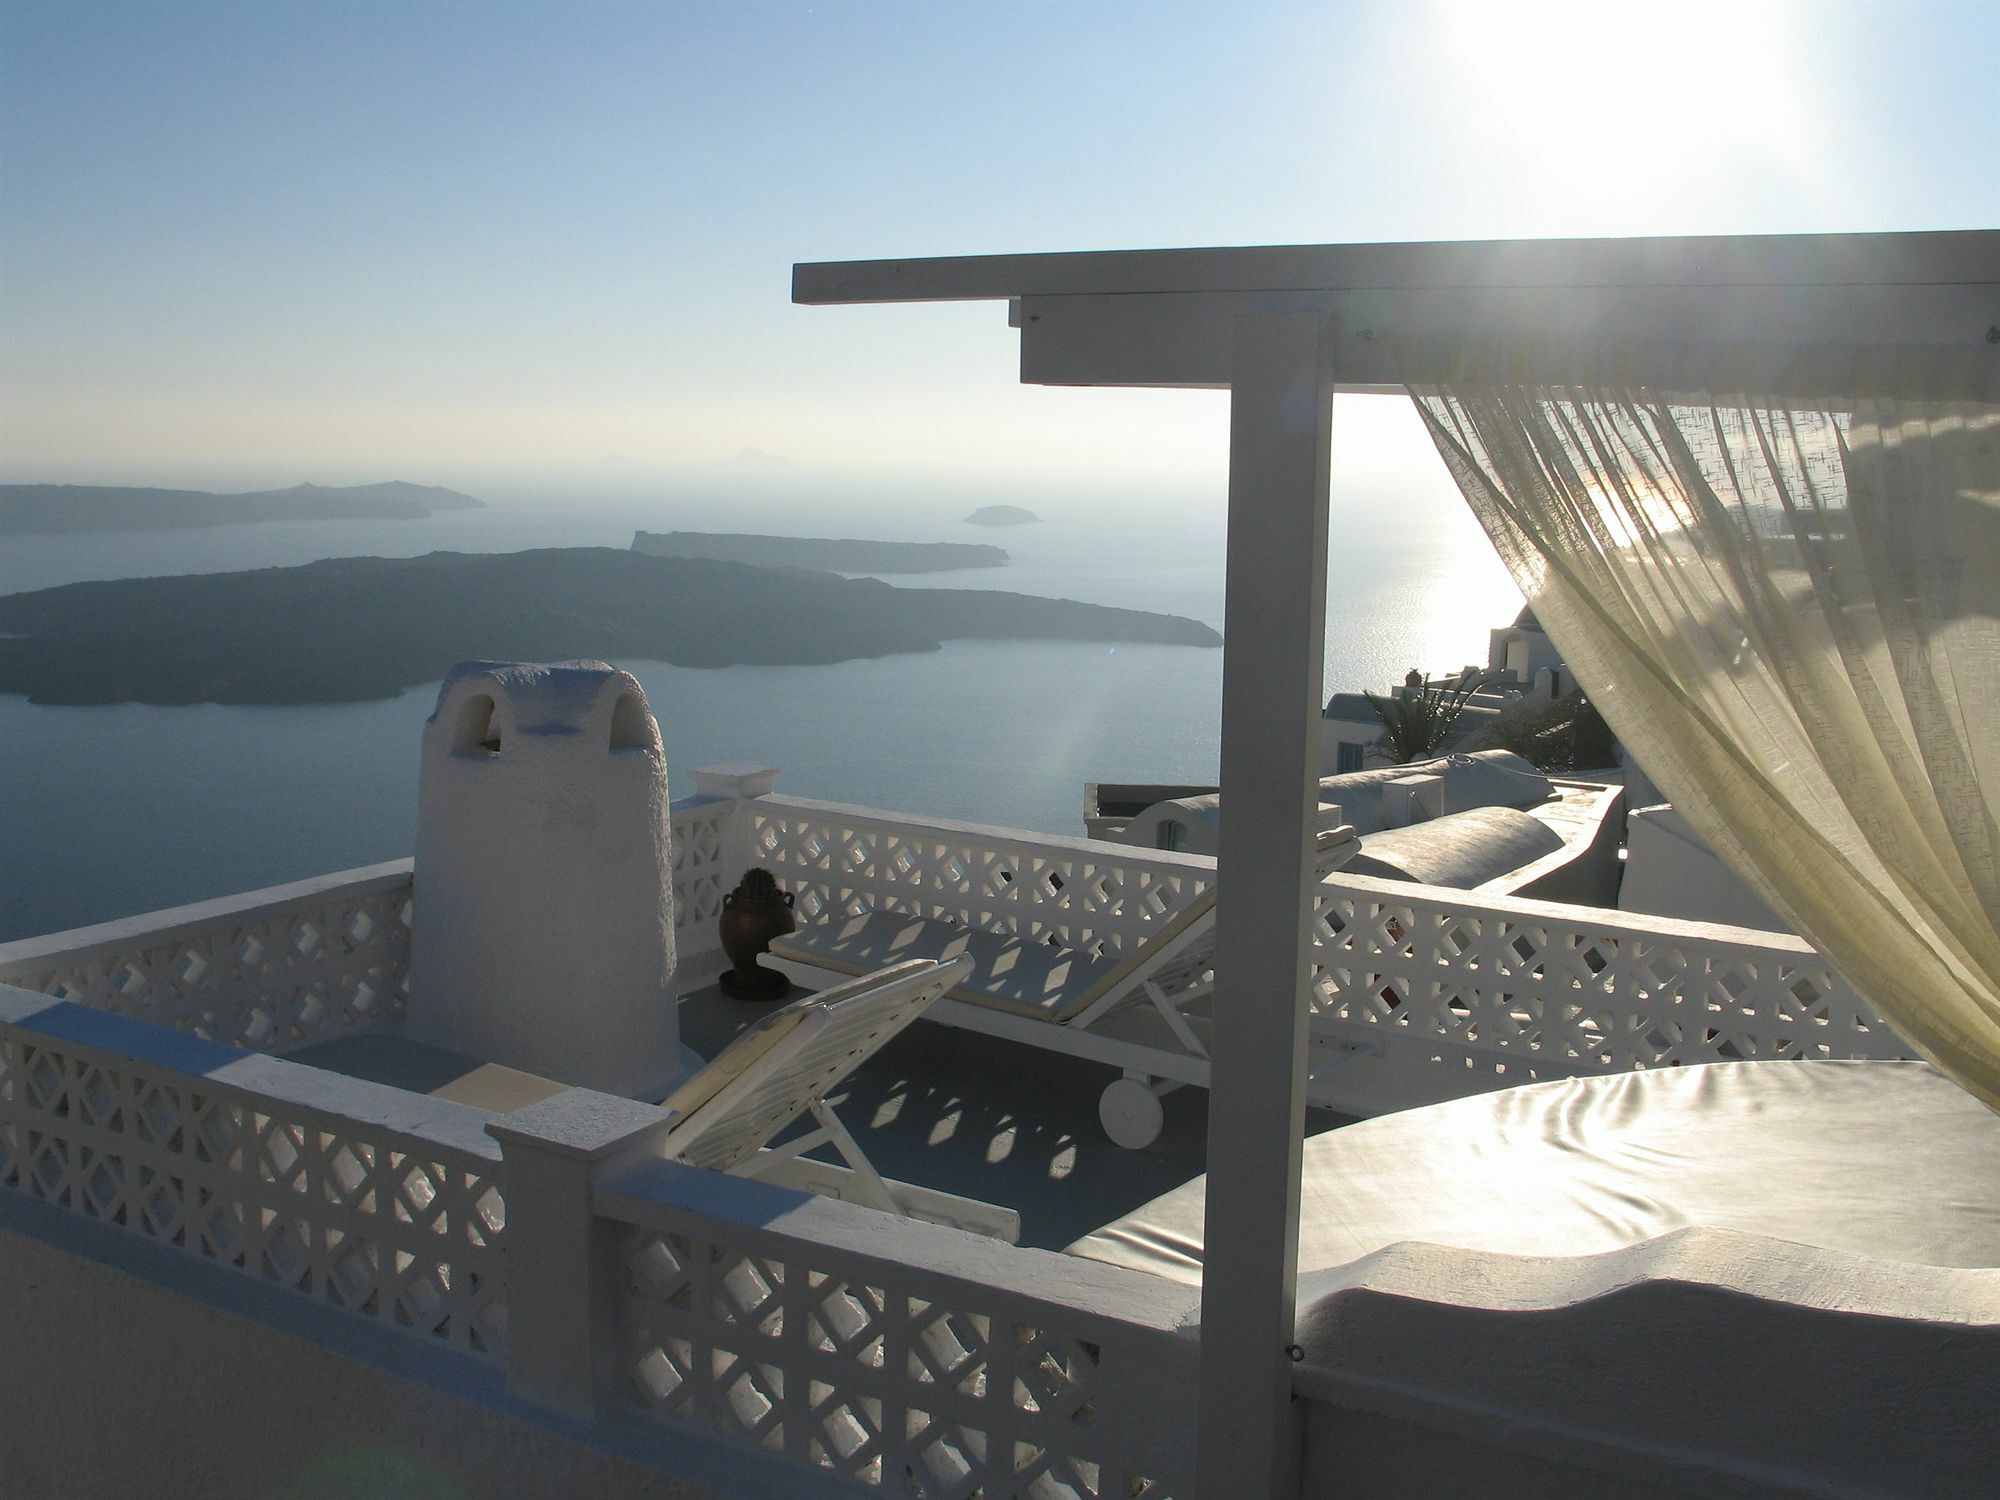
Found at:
(783, 1067)
(1143, 1013)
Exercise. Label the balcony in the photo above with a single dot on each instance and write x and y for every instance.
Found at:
(148, 1092)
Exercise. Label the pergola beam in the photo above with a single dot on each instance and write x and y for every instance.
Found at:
(1390, 339)
(1165, 317)
(1943, 257)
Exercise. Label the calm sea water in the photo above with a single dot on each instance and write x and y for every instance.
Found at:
(111, 811)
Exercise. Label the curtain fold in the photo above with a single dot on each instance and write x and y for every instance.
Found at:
(1779, 581)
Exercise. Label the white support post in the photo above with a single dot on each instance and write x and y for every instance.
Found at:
(562, 1277)
(1274, 643)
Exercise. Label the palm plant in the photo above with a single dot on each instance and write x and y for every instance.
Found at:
(1418, 719)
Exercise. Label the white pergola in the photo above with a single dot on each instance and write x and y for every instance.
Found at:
(1283, 329)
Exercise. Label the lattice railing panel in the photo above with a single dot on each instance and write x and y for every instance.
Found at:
(386, 1225)
(701, 874)
(255, 973)
(1094, 897)
(846, 1370)
(1530, 991)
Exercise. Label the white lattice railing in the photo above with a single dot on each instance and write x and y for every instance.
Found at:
(937, 1369)
(1087, 895)
(389, 1207)
(274, 969)
(1453, 993)
(267, 971)
(1464, 992)
(702, 874)
(1488, 991)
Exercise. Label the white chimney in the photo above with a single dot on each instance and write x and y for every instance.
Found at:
(544, 927)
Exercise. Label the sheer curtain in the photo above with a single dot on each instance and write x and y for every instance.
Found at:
(1778, 577)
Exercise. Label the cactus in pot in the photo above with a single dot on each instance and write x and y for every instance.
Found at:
(752, 915)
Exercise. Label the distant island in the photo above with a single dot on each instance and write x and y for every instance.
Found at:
(94, 507)
(831, 554)
(358, 628)
(1001, 515)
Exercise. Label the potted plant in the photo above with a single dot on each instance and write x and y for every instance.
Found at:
(753, 914)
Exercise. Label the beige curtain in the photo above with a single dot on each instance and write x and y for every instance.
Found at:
(1779, 580)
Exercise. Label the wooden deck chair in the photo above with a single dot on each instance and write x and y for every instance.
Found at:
(784, 1066)
(1142, 1012)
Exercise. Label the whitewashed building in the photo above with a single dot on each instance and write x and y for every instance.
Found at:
(1522, 665)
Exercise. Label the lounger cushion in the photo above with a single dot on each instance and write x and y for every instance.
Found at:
(1886, 1159)
(1034, 979)
(1029, 979)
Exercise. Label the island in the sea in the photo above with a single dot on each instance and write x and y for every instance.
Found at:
(1001, 515)
(829, 554)
(96, 507)
(357, 628)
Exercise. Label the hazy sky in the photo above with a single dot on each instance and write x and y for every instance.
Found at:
(454, 243)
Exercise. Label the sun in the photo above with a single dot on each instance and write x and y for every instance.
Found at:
(1624, 115)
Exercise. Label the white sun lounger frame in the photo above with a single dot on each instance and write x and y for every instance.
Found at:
(785, 1065)
(1141, 1026)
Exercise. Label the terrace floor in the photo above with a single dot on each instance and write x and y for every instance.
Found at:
(946, 1109)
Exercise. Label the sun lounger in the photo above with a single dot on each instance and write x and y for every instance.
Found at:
(731, 1109)
(1143, 1013)
(784, 1066)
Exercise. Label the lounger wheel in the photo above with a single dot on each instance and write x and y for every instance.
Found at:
(1130, 1113)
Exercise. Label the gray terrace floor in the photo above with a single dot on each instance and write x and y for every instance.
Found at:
(946, 1109)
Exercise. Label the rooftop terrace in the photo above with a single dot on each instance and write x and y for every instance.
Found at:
(549, 1276)
(369, 1188)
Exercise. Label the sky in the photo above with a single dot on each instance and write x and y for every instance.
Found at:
(549, 245)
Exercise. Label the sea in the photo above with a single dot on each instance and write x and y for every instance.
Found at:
(114, 811)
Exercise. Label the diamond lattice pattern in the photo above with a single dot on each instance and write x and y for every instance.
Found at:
(1532, 995)
(1106, 902)
(904, 1393)
(387, 1226)
(699, 874)
(267, 980)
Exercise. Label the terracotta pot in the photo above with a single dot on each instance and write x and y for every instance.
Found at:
(748, 925)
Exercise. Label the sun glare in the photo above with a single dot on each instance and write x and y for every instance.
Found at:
(1626, 116)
